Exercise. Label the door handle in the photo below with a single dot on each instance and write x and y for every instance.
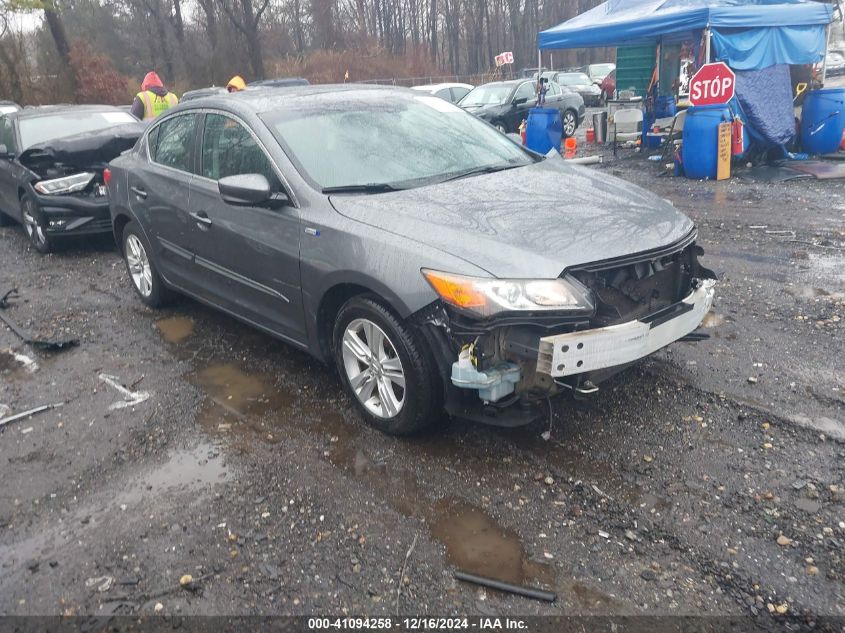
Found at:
(138, 192)
(201, 218)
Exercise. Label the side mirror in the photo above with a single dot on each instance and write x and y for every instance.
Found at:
(250, 190)
(520, 101)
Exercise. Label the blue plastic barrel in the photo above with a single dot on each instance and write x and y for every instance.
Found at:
(822, 120)
(665, 107)
(700, 150)
(544, 130)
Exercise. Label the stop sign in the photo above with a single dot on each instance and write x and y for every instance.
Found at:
(713, 84)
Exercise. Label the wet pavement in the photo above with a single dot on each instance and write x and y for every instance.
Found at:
(707, 480)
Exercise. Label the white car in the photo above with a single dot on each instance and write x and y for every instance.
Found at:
(450, 92)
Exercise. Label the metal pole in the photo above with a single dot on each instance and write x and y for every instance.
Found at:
(551, 61)
(539, 62)
(824, 59)
(707, 45)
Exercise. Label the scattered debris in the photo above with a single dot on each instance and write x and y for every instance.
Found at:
(604, 534)
(26, 337)
(528, 592)
(130, 398)
(186, 581)
(102, 583)
(783, 541)
(26, 414)
(402, 572)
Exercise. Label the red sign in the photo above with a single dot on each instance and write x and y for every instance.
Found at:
(504, 58)
(713, 84)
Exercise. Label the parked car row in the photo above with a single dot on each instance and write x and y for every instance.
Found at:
(448, 271)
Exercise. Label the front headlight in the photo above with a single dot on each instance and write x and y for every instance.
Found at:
(487, 297)
(67, 184)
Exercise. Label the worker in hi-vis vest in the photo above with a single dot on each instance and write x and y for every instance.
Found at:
(153, 99)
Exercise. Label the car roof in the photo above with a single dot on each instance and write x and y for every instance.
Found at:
(441, 86)
(261, 100)
(37, 111)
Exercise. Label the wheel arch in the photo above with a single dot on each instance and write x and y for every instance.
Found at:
(119, 222)
(338, 293)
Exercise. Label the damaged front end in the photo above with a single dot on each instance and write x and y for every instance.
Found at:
(68, 182)
(501, 369)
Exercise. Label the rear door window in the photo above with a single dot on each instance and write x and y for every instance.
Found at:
(172, 142)
(228, 149)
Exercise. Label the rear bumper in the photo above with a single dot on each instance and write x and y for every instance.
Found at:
(585, 351)
(74, 215)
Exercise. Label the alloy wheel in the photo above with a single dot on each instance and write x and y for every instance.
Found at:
(33, 228)
(373, 368)
(139, 265)
(568, 123)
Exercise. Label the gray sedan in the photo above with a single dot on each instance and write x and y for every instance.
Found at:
(451, 270)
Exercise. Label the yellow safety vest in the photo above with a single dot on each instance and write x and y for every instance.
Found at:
(155, 105)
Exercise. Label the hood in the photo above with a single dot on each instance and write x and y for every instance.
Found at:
(151, 80)
(85, 150)
(529, 222)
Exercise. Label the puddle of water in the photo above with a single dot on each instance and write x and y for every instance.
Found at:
(186, 470)
(242, 393)
(476, 543)
(175, 329)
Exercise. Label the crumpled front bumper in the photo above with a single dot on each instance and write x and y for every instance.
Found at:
(74, 214)
(583, 351)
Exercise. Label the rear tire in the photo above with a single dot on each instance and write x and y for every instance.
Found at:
(142, 273)
(33, 224)
(570, 123)
(385, 369)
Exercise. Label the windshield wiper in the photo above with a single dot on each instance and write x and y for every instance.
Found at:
(475, 171)
(373, 187)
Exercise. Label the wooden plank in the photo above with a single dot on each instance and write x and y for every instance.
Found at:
(723, 165)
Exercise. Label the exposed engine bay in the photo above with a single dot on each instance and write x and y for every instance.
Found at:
(641, 304)
(74, 165)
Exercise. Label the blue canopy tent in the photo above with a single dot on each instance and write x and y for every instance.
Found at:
(757, 38)
(747, 34)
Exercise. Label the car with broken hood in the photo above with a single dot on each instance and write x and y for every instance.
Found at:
(51, 168)
(449, 270)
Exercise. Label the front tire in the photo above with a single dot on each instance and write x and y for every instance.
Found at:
(385, 369)
(142, 273)
(500, 125)
(570, 123)
(33, 223)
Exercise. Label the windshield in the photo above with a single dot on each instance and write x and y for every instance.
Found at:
(600, 71)
(52, 126)
(491, 94)
(574, 79)
(396, 140)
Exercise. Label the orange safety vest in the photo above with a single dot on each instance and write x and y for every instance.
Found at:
(154, 104)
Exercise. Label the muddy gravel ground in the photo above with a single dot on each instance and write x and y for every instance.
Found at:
(708, 480)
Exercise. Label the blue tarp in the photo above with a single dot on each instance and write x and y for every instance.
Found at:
(765, 100)
(753, 49)
(736, 23)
